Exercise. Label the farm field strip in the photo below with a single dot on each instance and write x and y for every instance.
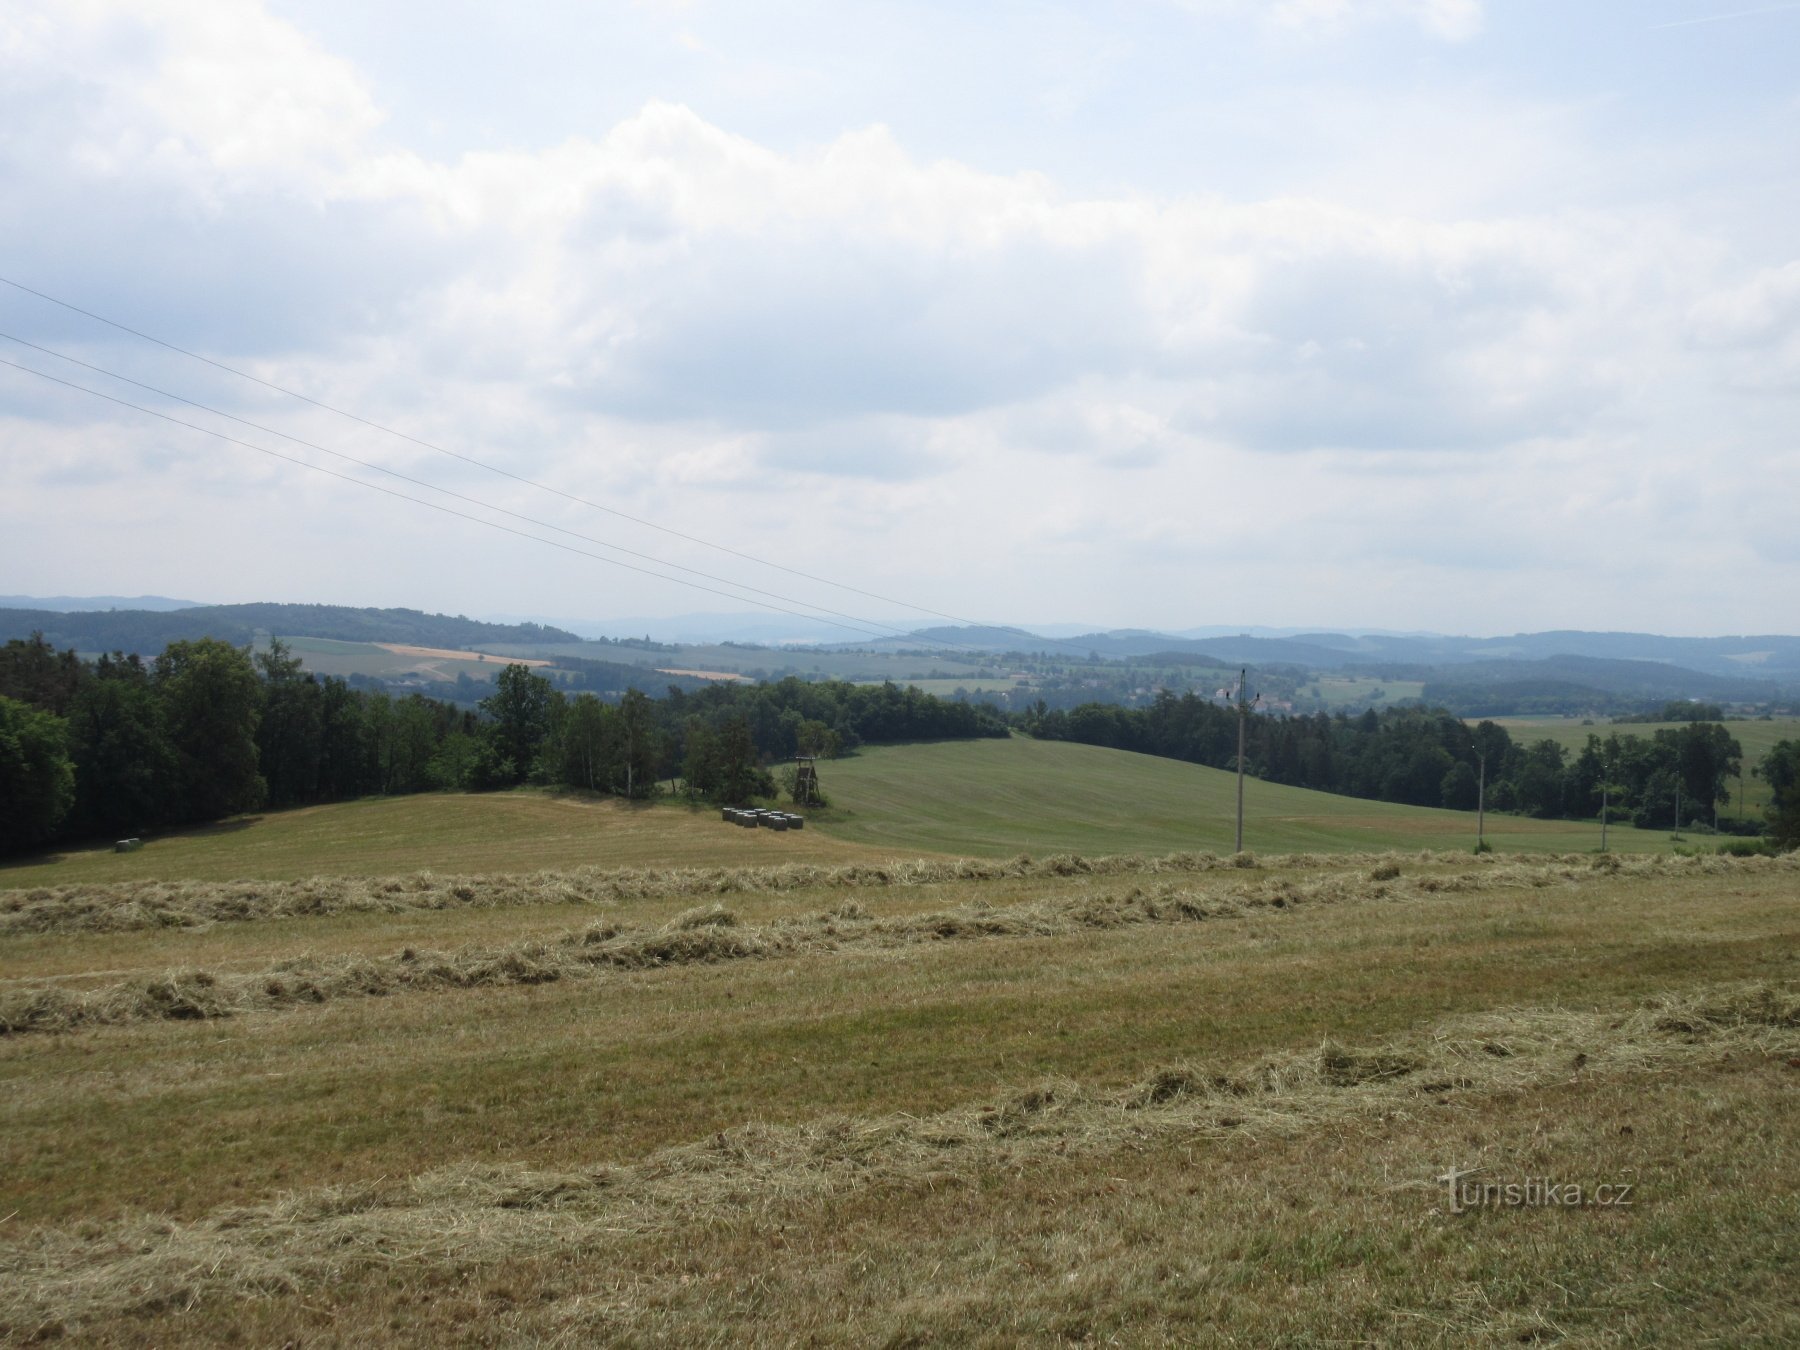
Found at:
(706, 936)
(361, 1087)
(494, 1214)
(124, 906)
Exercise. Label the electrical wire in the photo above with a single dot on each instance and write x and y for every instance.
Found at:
(894, 631)
(435, 506)
(483, 464)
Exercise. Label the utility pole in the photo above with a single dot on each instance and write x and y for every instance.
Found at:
(1243, 712)
(1677, 833)
(1605, 773)
(1480, 799)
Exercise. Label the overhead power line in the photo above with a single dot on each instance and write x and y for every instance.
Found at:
(894, 631)
(437, 506)
(856, 623)
(481, 463)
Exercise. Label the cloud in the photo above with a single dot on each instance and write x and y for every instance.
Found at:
(965, 381)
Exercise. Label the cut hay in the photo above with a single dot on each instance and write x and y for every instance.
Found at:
(130, 906)
(61, 1277)
(703, 935)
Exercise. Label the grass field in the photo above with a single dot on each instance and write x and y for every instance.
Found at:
(328, 656)
(973, 798)
(1358, 692)
(1165, 1101)
(853, 666)
(439, 832)
(974, 684)
(996, 798)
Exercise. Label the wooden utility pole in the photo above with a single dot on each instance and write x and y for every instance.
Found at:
(1243, 712)
(1480, 800)
(1605, 773)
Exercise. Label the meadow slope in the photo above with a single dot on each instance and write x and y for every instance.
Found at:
(996, 798)
(989, 799)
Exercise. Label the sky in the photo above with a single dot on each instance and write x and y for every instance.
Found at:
(1474, 316)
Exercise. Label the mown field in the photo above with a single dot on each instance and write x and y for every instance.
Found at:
(1147, 1100)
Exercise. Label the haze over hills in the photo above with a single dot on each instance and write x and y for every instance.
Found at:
(1527, 672)
(68, 604)
(1750, 657)
(149, 631)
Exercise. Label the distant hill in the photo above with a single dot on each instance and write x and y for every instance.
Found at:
(1769, 657)
(1559, 683)
(70, 604)
(149, 631)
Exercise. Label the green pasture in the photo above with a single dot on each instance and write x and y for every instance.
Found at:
(1344, 691)
(997, 798)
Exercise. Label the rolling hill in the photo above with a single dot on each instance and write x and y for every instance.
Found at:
(988, 798)
(996, 798)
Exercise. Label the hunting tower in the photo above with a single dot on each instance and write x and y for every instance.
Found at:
(806, 782)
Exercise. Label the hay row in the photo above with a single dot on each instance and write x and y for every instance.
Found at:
(131, 906)
(700, 936)
(54, 1278)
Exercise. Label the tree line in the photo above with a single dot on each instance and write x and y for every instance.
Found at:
(1428, 757)
(118, 746)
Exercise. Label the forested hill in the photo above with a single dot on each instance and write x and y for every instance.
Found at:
(147, 632)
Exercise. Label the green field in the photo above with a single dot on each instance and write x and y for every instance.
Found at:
(856, 667)
(522, 831)
(328, 656)
(1358, 692)
(947, 688)
(996, 798)
(974, 798)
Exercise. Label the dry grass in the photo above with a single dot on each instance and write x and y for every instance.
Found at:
(710, 935)
(129, 906)
(60, 1277)
(1045, 1100)
(700, 935)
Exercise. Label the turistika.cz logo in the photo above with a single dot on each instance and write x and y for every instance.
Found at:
(1467, 1193)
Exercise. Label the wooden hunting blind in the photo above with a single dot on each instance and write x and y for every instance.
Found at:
(806, 782)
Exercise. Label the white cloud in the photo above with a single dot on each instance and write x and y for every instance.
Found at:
(969, 385)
